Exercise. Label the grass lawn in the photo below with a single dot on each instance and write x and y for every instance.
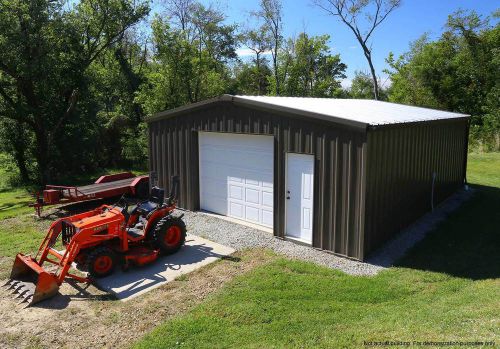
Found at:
(13, 202)
(446, 289)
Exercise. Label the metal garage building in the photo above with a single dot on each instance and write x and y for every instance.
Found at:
(339, 174)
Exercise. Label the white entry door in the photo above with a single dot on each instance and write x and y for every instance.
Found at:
(299, 196)
(236, 176)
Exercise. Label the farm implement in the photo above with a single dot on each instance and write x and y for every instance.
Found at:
(107, 186)
(96, 242)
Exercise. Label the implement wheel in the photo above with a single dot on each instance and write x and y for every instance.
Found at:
(170, 235)
(101, 262)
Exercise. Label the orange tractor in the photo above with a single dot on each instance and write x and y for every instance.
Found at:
(97, 241)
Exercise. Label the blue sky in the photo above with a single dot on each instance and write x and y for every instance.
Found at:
(404, 25)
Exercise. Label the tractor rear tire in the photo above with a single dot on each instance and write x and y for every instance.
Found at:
(100, 262)
(170, 234)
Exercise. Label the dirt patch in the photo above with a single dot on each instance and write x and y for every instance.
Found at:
(83, 316)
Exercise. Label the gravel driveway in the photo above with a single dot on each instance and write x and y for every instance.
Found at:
(241, 237)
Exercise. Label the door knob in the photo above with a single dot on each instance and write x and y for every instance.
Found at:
(288, 198)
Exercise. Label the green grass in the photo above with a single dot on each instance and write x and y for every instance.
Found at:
(484, 169)
(14, 202)
(446, 288)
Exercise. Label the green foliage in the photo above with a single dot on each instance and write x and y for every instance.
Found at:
(116, 78)
(252, 80)
(309, 69)
(45, 52)
(189, 62)
(362, 87)
(459, 72)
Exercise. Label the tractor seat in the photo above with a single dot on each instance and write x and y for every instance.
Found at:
(135, 233)
(147, 207)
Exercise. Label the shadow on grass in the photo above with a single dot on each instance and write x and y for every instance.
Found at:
(61, 301)
(465, 245)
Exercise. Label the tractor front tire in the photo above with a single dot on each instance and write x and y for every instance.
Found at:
(170, 235)
(100, 262)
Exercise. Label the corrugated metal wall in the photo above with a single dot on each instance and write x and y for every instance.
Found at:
(340, 154)
(401, 162)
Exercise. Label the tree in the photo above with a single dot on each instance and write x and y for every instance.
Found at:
(362, 87)
(259, 42)
(308, 68)
(458, 72)
(115, 78)
(250, 79)
(190, 64)
(43, 71)
(350, 12)
(271, 13)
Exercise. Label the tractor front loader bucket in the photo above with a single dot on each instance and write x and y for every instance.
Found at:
(30, 281)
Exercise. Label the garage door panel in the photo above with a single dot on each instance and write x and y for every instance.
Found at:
(236, 210)
(237, 174)
(238, 170)
(236, 141)
(235, 179)
(267, 217)
(254, 160)
(214, 183)
(252, 182)
(252, 196)
(252, 214)
(214, 204)
(267, 184)
(209, 196)
(267, 199)
(235, 192)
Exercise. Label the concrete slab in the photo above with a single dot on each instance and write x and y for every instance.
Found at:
(196, 253)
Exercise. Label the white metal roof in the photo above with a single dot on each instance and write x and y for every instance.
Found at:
(359, 111)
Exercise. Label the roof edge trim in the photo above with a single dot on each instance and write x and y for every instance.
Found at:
(179, 110)
(255, 104)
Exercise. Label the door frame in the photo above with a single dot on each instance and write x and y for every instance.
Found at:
(290, 238)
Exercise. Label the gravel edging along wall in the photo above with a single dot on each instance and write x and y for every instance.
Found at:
(241, 237)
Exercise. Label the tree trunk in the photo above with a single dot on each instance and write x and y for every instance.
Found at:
(257, 63)
(42, 155)
(20, 158)
(19, 150)
(368, 56)
(275, 66)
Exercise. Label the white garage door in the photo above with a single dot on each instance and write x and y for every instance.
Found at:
(236, 176)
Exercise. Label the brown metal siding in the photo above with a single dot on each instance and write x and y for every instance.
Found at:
(340, 154)
(401, 162)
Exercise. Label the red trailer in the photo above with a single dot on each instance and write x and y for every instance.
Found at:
(107, 186)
